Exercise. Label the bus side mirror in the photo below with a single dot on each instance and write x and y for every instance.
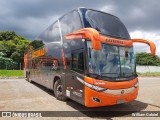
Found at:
(96, 44)
(87, 33)
(150, 43)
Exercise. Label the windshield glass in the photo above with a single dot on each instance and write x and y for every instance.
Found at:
(111, 61)
(107, 24)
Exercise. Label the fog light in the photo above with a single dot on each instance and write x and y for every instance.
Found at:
(96, 99)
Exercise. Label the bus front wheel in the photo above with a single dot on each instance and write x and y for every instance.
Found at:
(58, 91)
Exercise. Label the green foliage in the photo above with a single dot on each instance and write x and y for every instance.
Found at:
(7, 47)
(6, 63)
(144, 58)
(2, 54)
(7, 35)
(12, 47)
(18, 54)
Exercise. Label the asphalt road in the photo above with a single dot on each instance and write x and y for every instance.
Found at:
(20, 95)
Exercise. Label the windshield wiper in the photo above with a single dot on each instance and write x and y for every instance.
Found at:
(126, 74)
(109, 74)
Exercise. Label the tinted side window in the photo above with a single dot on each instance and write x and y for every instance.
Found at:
(78, 62)
(54, 56)
(51, 34)
(47, 65)
(70, 22)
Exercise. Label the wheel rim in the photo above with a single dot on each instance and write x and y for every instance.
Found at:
(59, 90)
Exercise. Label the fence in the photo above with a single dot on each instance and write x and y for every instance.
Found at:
(18, 66)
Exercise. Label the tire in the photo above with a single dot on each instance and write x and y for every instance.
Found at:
(28, 78)
(58, 91)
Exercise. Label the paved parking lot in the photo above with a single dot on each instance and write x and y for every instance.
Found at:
(20, 95)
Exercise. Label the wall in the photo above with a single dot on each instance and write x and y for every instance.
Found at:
(143, 69)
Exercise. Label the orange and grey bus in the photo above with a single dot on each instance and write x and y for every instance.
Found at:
(87, 56)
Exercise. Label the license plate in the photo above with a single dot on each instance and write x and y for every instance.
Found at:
(120, 101)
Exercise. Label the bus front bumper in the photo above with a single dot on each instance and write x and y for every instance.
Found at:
(97, 99)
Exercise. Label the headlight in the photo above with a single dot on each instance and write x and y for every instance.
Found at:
(97, 88)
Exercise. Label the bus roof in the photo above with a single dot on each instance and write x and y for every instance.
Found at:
(81, 9)
(104, 23)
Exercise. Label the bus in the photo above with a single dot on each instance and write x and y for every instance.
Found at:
(87, 56)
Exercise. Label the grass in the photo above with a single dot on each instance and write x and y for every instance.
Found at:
(149, 74)
(11, 73)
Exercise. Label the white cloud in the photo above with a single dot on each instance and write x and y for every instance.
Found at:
(108, 9)
(40, 24)
(139, 47)
(137, 12)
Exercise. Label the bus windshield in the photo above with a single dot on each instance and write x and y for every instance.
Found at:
(107, 24)
(111, 61)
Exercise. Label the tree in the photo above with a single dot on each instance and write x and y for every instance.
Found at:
(7, 47)
(12, 46)
(7, 35)
(144, 58)
(6, 63)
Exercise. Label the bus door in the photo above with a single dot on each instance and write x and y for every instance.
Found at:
(75, 88)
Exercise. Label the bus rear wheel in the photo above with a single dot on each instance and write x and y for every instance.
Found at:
(58, 91)
(28, 78)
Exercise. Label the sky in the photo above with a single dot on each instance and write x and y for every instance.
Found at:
(30, 17)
